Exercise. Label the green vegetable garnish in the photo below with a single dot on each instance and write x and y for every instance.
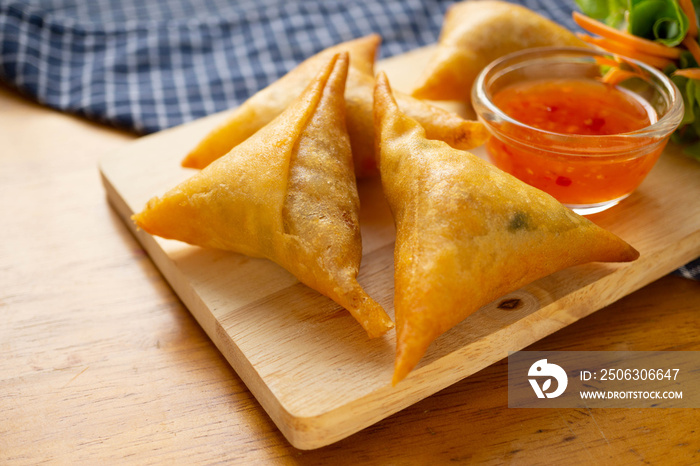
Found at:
(640, 27)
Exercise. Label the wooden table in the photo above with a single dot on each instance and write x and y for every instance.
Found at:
(101, 362)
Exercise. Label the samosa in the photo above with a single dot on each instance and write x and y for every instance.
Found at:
(467, 233)
(474, 34)
(265, 105)
(287, 193)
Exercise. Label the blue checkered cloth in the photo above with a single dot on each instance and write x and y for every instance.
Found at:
(147, 65)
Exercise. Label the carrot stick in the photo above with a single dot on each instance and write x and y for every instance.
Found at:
(691, 73)
(616, 62)
(689, 10)
(615, 76)
(693, 47)
(638, 43)
(606, 61)
(625, 50)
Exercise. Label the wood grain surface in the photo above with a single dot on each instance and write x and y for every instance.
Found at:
(305, 359)
(102, 363)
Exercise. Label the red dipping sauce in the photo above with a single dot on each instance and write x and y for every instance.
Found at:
(574, 106)
(557, 126)
(581, 107)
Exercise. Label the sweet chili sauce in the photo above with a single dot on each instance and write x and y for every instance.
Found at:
(574, 107)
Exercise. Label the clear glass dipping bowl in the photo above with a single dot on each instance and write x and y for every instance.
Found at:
(588, 173)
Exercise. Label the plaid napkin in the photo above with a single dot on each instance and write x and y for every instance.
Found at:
(147, 65)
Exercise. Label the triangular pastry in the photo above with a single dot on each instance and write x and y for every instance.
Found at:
(265, 105)
(467, 233)
(476, 33)
(287, 193)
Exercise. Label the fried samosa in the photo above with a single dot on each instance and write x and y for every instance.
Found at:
(288, 194)
(467, 233)
(474, 34)
(262, 107)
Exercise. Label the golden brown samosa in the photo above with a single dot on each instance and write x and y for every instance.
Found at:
(265, 105)
(466, 232)
(474, 34)
(287, 193)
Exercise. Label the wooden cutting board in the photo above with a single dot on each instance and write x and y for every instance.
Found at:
(309, 364)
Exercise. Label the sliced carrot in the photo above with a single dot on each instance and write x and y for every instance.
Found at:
(616, 61)
(689, 10)
(638, 43)
(693, 47)
(615, 76)
(627, 51)
(606, 61)
(691, 73)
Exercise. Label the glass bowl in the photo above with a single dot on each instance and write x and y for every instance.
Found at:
(588, 173)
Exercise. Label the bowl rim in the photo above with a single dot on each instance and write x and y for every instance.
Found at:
(661, 128)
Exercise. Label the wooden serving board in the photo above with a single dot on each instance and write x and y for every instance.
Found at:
(309, 364)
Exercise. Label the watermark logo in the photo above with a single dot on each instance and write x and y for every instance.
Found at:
(542, 369)
(604, 379)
